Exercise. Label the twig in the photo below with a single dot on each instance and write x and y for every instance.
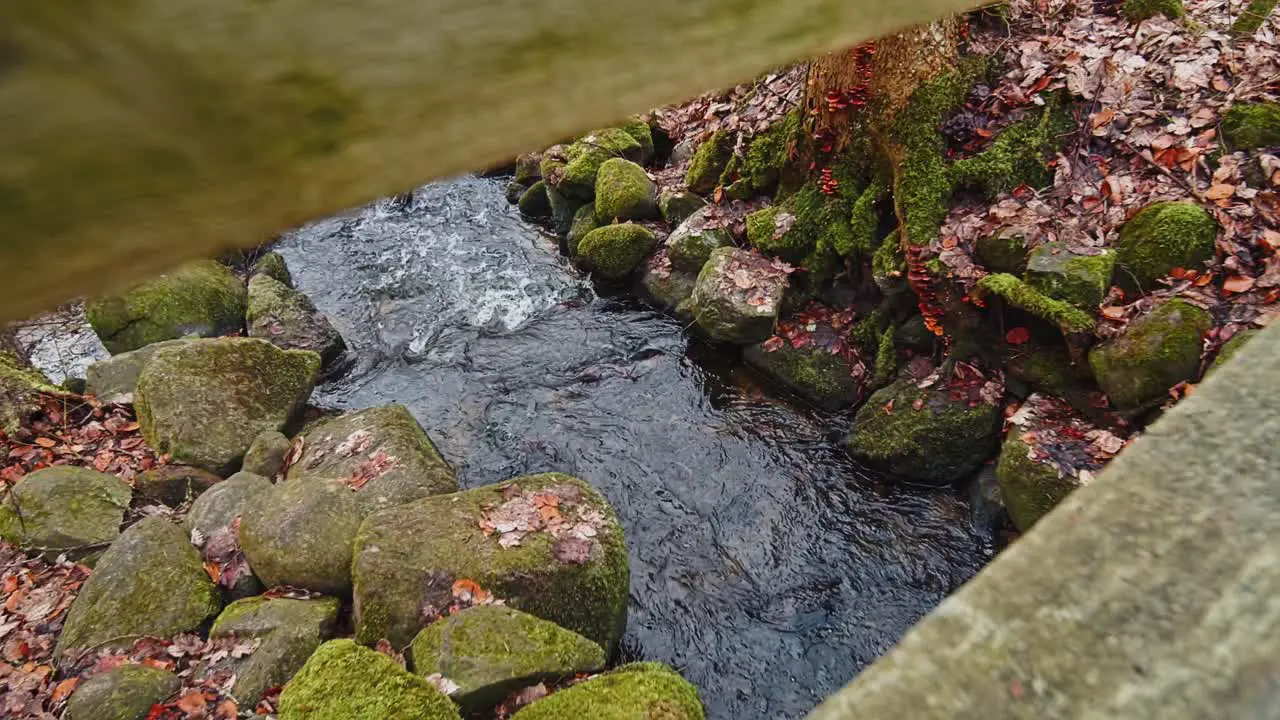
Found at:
(1165, 171)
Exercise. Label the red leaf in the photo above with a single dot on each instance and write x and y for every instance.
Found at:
(1017, 336)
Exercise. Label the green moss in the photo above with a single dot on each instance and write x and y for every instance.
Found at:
(535, 203)
(639, 691)
(344, 681)
(1030, 489)
(1249, 126)
(865, 333)
(613, 252)
(287, 632)
(709, 162)
(624, 192)
(756, 173)
(813, 373)
(584, 221)
(1161, 237)
(301, 533)
(1139, 10)
(1154, 353)
(639, 129)
(1004, 253)
(1253, 16)
(864, 223)
(819, 226)
(889, 268)
(1230, 348)
(1082, 280)
(69, 510)
(20, 388)
(272, 265)
(886, 360)
(563, 209)
(202, 298)
(1016, 157)
(126, 692)
(1021, 295)
(586, 155)
(528, 169)
(1046, 368)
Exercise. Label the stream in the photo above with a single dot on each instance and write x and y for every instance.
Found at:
(765, 565)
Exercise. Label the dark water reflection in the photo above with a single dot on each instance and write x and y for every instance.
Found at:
(764, 564)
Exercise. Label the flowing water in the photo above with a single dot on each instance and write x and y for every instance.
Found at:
(765, 565)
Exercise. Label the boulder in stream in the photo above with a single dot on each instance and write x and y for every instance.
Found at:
(346, 681)
(577, 178)
(624, 192)
(528, 170)
(534, 203)
(690, 245)
(667, 287)
(272, 265)
(288, 631)
(65, 509)
(828, 380)
(1155, 352)
(738, 296)
(287, 319)
(126, 692)
(584, 221)
(638, 691)
(613, 252)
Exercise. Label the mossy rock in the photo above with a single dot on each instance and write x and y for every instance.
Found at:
(1230, 348)
(224, 502)
(1161, 237)
(667, 287)
(709, 162)
(813, 373)
(1005, 252)
(347, 446)
(1252, 17)
(203, 298)
(563, 210)
(407, 556)
(640, 131)
(677, 206)
(150, 582)
(288, 632)
(724, 311)
(1020, 294)
(1154, 353)
(528, 168)
(639, 691)
(1139, 10)
(757, 172)
(174, 485)
(20, 388)
(301, 534)
(346, 681)
(126, 692)
(266, 454)
(1249, 126)
(624, 192)
(288, 319)
(204, 402)
(115, 379)
(614, 251)
(941, 441)
(64, 509)
(514, 191)
(272, 265)
(534, 203)
(807, 228)
(1046, 368)
(1063, 273)
(912, 334)
(584, 221)
(586, 155)
(1030, 488)
(490, 651)
(690, 245)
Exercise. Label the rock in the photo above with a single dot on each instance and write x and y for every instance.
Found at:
(914, 335)
(578, 179)
(534, 203)
(677, 206)
(383, 446)
(272, 265)
(527, 168)
(126, 692)
(288, 631)
(624, 192)
(667, 287)
(709, 162)
(174, 485)
(1230, 348)
(584, 221)
(301, 534)
(115, 379)
(938, 442)
(287, 319)
(20, 388)
(613, 252)
(563, 210)
(638, 691)
(491, 651)
(64, 509)
(204, 402)
(986, 502)
(1005, 252)
(203, 298)
(1154, 353)
(149, 582)
(224, 502)
(1249, 126)
(683, 151)
(1161, 237)
(1048, 453)
(515, 191)
(1139, 10)
(738, 296)
(407, 558)
(690, 245)
(815, 374)
(1065, 273)
(266, 454)
(345, 681)
(640, 131)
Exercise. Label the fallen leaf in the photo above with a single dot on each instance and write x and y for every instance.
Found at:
(1017, 336)
(1238, 284)
(1220, 191)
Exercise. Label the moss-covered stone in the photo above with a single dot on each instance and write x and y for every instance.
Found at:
(301, 534)
(563, 210)
(345, 681)
(1017, 155)
(727, 312)
(1005, 252)
(174, 485)
(690, 245)
(677, 206)
(1063, 273)
(1230, 348)
(408, 557)
(940, 441)
(1249, 126)
(64, 509)
(534, 203)
(288, 631)
(1046, 368)
(1161, 237)
(1252, 17)
(614, 251)
(528, 168)
(639, 691)
(864, 222)
(709, 162)
(1030, 488)
(584, 221)
(766, 155)
(224, 502)
(640, 131)
(812, 372)
(204, 402)
(889, 268)
(667, 287)
(266, 454)
(288, 319)
(1154, 353)
(624, 192)
(1019, 294)
(514, 191)
(272, 265)
(150, 582)
(20, 388)
(115, 379)
(586, 155)
(1139, 10)
(490, 651)
(126, 692)
(806, 228)
(203, 298)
